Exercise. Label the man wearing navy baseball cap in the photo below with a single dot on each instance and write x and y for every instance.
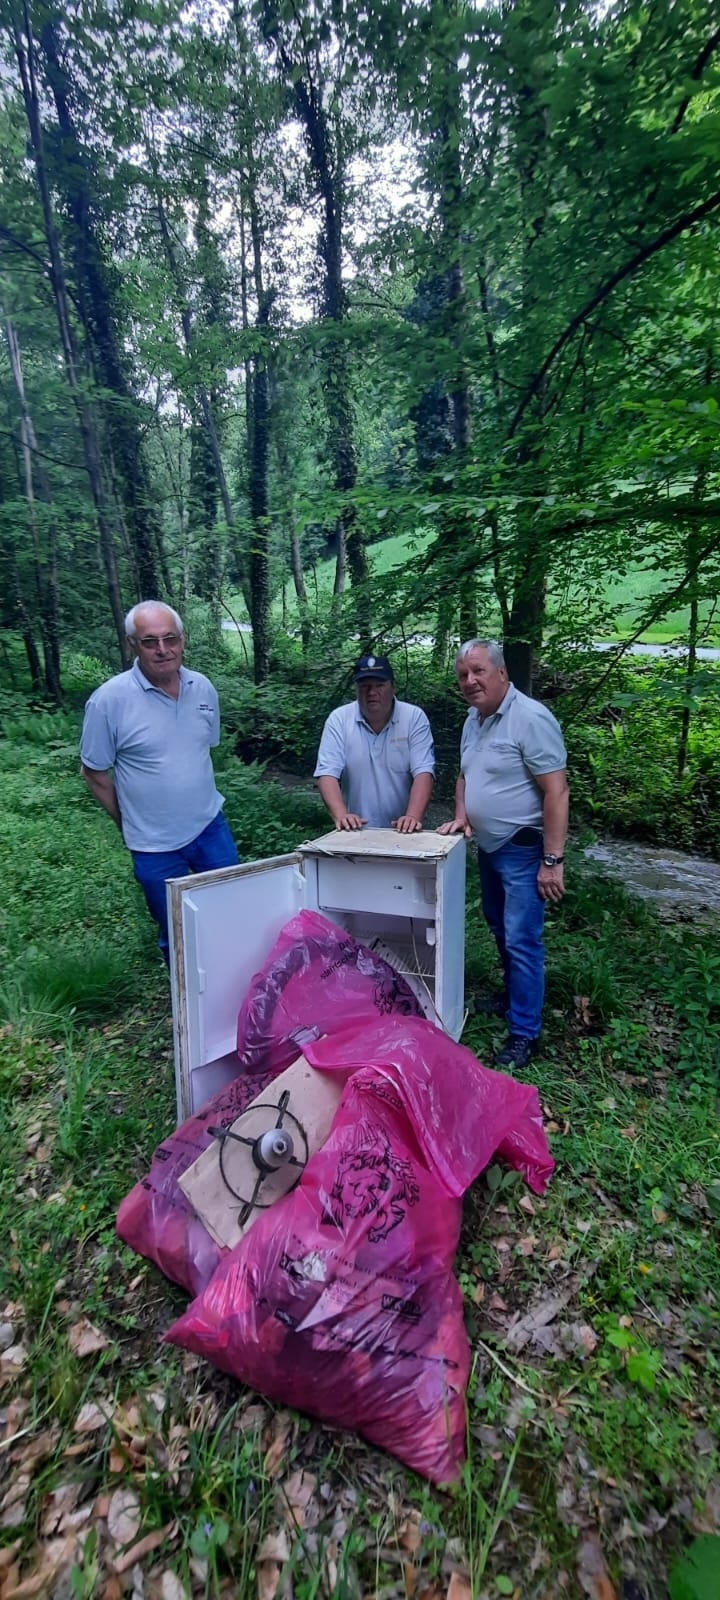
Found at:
(376, 760)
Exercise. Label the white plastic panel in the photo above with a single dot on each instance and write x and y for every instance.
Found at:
(450, 940)
(223, 925)
(390, 888)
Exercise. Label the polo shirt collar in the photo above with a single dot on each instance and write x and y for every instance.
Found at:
(503, 707)
(144, 683)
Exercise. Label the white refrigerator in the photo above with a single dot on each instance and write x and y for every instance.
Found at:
(403, 894)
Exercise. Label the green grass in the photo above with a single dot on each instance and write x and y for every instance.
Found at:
(615, 1429)
(624, 598)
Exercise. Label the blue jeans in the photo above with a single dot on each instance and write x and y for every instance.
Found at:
(214, 847)
(515, 914)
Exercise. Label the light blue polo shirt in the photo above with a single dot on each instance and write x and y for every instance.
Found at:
(160, 750)
(376, 769)
(498, 756)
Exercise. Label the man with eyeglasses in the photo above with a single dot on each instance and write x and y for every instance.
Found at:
(154, 726)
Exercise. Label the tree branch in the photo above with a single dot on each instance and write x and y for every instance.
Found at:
(696, 72)
(642, 255)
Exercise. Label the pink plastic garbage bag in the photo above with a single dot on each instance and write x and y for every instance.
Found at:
(316, 977)
(463, 1113)
(341, 1299)
(156, 1219)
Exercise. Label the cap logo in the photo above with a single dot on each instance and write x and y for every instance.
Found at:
(371, 661)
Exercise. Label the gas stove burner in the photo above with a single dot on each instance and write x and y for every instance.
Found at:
(272, 1150)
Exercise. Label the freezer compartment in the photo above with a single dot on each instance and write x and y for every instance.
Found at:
(386, 888)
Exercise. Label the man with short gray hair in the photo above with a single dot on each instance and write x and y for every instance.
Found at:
(512, 795)
(154, 726)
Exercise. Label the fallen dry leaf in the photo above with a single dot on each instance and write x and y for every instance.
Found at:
(12, 1361)
(124, 1516)
(16, 1412)
(85, 1339)
(274, 1547)
(12, 1508)
(567, 1339)
(592, 1570)
(93, 1415)
(61, 1500)
(578, 1338)
(281, 1429)
(55, 1558)
(171, 1588)
(270, 1560)
(523, 1329)
(458, 1588)
(128, 1420)
(582, 1008)
(8, 1554)
(252, 1418)
(409, 1535)
(151, 1541)
(298, 1492)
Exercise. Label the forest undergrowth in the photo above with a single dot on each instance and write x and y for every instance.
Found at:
(128, 1468)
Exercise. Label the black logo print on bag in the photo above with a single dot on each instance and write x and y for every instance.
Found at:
(373, 1183)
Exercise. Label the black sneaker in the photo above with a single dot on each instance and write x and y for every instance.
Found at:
(517, 1053)
(491, 1005)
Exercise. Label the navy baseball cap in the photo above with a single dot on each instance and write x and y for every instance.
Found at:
(374, 667)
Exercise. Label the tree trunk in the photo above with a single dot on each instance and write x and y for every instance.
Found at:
(205, 557)
(327, 161)
(25, 52)
(19, 611)
(100, 320)
(530, 563)
(201, 391)
(259, 562)
(258, 435)
(692, 561)
(45, 571)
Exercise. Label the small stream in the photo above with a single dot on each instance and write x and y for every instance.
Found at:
(672, 881)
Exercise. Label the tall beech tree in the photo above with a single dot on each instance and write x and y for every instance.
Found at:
(97, 298)
(313, 63)
(26, 55)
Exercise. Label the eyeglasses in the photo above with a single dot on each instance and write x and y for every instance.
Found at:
(168, 639)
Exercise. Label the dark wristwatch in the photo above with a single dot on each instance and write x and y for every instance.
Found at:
(553, 861)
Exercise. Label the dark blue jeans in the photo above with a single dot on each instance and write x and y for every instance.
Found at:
(214, 847)
(515, 913)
